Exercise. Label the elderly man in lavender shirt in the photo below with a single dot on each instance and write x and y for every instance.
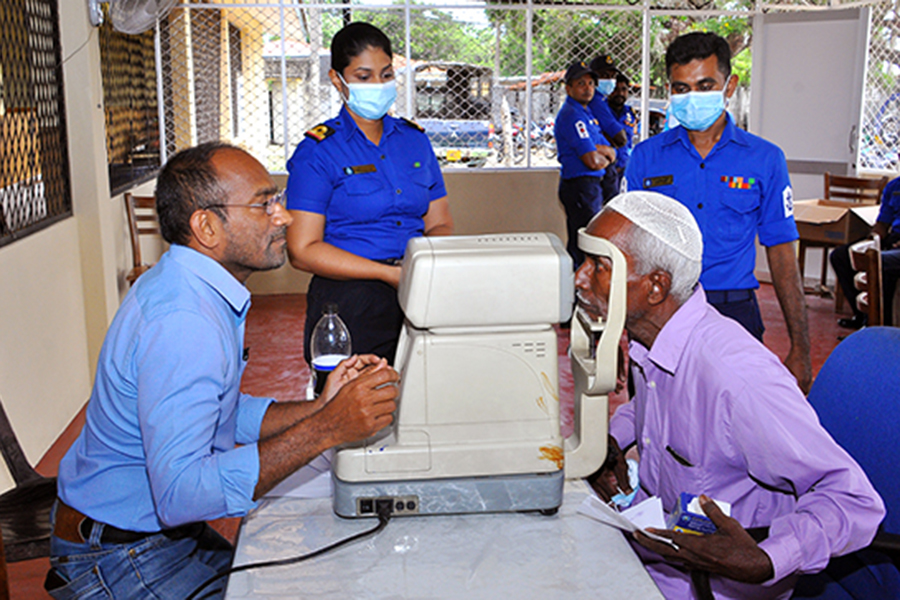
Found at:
(718, 415)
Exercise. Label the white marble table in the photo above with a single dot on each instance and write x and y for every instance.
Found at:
(493, 556)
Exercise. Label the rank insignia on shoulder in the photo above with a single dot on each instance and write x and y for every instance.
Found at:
(413, 124)
(359, 169)
(738, 183)
(652, 182)
(320, 132)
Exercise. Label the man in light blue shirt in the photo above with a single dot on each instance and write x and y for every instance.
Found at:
(169, 440)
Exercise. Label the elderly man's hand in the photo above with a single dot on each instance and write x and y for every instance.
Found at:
(612, 477)
(729, 552)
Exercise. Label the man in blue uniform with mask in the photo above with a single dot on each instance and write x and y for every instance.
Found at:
(605, 68)
(628, 119)
(735, 184)
(583, 154)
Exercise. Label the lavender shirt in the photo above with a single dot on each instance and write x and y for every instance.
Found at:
(715, 412)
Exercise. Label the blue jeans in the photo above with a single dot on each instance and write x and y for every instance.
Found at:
(154, 567)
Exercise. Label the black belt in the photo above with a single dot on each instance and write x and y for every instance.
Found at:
(726, 296)
(394, 262)
(114, 535)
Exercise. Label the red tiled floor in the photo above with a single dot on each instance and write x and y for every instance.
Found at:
(276, 368)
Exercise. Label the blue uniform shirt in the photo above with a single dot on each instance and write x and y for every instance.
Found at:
(609, 125)
(373, 197)
(739, 190)
(629, 123)
(577, 133)
(158, 445)
(890, 206)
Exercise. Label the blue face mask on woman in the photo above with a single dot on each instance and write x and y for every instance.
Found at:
(697, 111)
(370, 100)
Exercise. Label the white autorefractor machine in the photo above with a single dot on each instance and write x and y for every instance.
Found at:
(477, 426)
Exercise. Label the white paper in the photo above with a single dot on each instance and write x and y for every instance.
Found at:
(650, 515)
(310, 481)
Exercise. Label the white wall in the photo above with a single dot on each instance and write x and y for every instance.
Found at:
(481, 201)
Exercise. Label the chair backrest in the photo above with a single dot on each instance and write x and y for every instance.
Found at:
(865, 257)
(857, 397)
(854, 189)
(142, 220)
(13, 455)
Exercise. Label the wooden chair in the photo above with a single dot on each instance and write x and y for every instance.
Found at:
(25, 509)
(142, 220)
(857, 190)
(865, 257)
(854, 189)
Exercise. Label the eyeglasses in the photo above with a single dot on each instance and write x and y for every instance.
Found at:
(269, 205)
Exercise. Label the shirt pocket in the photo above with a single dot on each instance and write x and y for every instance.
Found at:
(360, 198)
(678, 473)
(738, 213)
(416, 196)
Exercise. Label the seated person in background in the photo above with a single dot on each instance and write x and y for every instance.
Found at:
(169, 440)
(715, 413)
(887, 226)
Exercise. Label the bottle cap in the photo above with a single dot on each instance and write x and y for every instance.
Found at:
(330, 308)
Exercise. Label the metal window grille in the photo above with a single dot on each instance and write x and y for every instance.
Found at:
(34, 163)
(485, 79)
(128, 70)
(880, 139)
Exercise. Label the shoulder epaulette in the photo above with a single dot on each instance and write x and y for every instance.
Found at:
(320, 132)
(413, 124)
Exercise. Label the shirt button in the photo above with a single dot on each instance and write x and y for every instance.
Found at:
(700, 205)
(382, 157)
(646, 441)
(702, 165)
(652, 385)
(398, 190)
(399, 223)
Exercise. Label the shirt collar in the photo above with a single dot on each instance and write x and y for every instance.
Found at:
(215, 275)
(731, 133)
(672, 339)
(350, 128)
(577, 105)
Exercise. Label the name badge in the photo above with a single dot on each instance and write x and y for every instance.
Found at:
(355, 170)
(652, 182)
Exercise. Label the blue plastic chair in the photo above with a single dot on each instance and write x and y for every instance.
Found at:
(857, 397)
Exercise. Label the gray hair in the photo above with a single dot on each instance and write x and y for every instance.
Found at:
(664, 236)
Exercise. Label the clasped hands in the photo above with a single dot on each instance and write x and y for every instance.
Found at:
(730, 552)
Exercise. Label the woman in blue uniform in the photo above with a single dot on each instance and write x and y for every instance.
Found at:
(360, 186)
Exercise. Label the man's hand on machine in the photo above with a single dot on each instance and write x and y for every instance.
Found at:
(364, 405)
(612, 477)
(348, 370)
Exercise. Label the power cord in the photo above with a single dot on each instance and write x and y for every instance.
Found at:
(383, 518)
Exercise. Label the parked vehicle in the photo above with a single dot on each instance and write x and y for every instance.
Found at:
(453, 103)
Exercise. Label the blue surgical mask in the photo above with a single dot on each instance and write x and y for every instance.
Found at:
(623, 500)
(697, 111)
(606, 86)
(370, 100)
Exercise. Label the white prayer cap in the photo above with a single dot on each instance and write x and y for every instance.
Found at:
(665, 218)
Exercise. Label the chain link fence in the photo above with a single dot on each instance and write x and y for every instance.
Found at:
(880, 139)
(485, 80)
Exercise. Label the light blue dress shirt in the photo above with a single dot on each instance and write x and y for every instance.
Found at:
(158, 448)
